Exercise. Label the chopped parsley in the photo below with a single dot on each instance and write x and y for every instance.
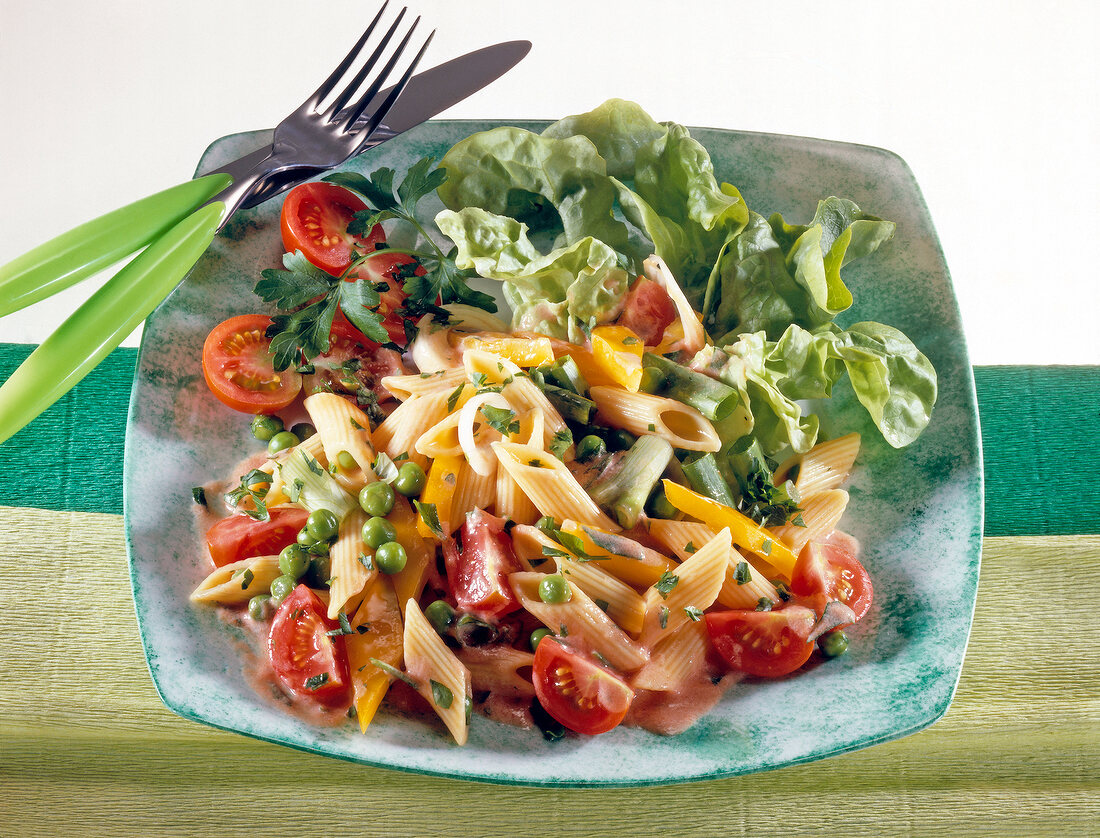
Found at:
(441, 695)
(764, 604)
(690, 547)
(662, 616)
(560, 443)
(742, 575)
(198, 494)
(394, 672)
(248, 488)
(430, 516)
(317, 681)
(694, 614)
(345, 626)
(452, 400)
(501, 419)
(666, 583)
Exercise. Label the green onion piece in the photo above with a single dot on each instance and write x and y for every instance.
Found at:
(565, 373)
(705, 478)
(571, 406)
(709, 396)
(625, 491)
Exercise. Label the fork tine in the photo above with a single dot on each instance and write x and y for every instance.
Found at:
(380, 112)
(372, 62)
(328, 84)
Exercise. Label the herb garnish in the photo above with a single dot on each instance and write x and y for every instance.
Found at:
(501, 419)
(442, 278)
(441, 695)
(254, 485)
(694, 614)
(430, 516)
(666, 583)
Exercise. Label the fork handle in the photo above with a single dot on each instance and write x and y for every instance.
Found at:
(108, 316)
(87, 249)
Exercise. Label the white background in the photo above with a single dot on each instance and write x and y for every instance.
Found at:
(993, 105)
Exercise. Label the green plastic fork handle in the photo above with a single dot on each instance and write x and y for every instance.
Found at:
(93, 246)
(109, 315)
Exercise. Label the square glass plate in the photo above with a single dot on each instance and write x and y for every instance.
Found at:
(917, 512)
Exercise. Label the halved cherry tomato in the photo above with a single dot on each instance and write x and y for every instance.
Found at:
(315, 219)
(578, 692)
(391, 269)
(829, 571)
(767, 643)
(478, 571)
(241, 537)
(309, 661)
(236, 361)
(647, 311)
(352, 362)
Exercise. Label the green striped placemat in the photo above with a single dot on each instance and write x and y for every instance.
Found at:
(1040, 435)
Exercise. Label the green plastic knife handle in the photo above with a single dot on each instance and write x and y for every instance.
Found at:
(109, 315)
(93, 246)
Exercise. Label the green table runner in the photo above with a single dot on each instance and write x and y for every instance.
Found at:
(1040, 438)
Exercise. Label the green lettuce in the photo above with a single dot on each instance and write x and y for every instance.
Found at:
(890, 377)
(777, 273)
(564, 293)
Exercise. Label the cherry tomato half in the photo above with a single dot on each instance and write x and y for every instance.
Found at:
(391, 269)
(314, 220)
(236, 362)
(647, 311)
(241, 537)
(478, 570)
(352, 362)
(578, 692)
(310, 662)
(830, 571)
(767, 643)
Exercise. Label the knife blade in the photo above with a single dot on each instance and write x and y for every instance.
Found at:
(427, 94)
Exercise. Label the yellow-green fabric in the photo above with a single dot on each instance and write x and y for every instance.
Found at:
(86, 747)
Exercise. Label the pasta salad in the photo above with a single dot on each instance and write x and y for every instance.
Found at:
(609, 507)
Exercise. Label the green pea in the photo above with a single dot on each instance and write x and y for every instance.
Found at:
(305, 539)
(470, 631)
(303, 430)
(621, 440)
(318, 548)
(410, 480)
(346, 462)
(265, 427)
(377, 499)
(378, 531)
(281, 441)
(259, 607)
(537, 635)
(322, 524)
(440, 615)
(834, 643)
(590, 447)
(320, 571)
(554, 589)
(652, 380)
(294, 560)
(281, 586)
(390, 557)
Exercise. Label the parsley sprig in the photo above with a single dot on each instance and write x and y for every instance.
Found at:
(442, 278)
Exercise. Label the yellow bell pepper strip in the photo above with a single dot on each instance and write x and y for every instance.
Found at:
(641, 570)
(409, 581)
(593, 373)
(746, 532)
(618, 351)
(379, 618)
(524, 352)
(440, 491)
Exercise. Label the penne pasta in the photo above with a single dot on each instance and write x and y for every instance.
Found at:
(641, 413)
(349, 573)
(825, 466)
(674, 658)
(550, 485)
(343, 430)
(405, 387)
(581, 620)
(441, 677)
(821, 512)
(686, 593)
(238, 582)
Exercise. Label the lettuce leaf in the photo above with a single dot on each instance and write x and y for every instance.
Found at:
(562, 294)
(890, 377)
(617, 128)
(558, 186)
(778, 273)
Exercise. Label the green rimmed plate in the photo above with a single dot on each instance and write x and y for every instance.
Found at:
(918, 512)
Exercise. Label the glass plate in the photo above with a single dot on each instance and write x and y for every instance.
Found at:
(917, 512)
